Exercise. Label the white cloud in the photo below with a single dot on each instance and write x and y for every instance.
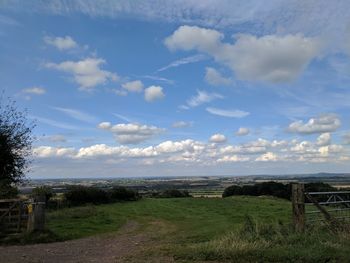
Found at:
(227, 113)
(201, 98)
(120, 92)
(326, 150)
(62, 43)
(181, 124)
(242, 131)
(87, 73)
(233, 158)
(34, 91)
(133, 86)
(184, 61)
(270, 58)
(214, 77)
(77, 114)
(153, 93)
(324, 139)
(267, 157)
(104, 125)
(322, 124)
(47, 151)
(218, 138)
(193, 37)
(196, 153)
(131, 133)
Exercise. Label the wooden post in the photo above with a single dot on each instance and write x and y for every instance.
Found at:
(298, 204)
(36, 214)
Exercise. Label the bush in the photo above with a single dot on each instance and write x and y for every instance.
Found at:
(120, 193)
(273, 188)
(43, 191)
(79, 195)
(172, 193)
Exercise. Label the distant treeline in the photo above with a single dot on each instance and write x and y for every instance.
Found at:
(80, 195)
(274, 189)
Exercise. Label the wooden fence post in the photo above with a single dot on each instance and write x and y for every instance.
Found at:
(298, 204)
(36, 214)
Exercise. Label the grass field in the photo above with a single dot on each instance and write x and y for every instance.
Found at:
(214, 229)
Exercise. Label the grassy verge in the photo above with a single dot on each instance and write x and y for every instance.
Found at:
(256, 242)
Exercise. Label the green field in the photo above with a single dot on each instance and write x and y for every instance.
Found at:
(213, 229)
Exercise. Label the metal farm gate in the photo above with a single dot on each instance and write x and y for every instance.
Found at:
(310, 207)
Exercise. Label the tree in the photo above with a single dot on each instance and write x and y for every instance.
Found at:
(15, 146)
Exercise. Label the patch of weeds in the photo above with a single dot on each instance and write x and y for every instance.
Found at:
(45, 236)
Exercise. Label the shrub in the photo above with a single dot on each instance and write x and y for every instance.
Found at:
(79, 195)
(43, 191)
(123, 194)
(172, 193)
(273, 188)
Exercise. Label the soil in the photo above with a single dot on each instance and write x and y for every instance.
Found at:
(121, 246)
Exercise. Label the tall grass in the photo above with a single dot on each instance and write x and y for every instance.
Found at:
(255, 242)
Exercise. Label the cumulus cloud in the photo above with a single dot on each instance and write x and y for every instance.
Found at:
(34, 91)
(218, 138)
(153, 93)
(242, 131)
(181, 124)
(62, 43)
(227, 113)
(324, 139)
(233, 158)
(322, 124)
(87, 73)
(199, 153)
(48, 151)
(269, 58)
(214, 77)
(133, 86)
(267, 157)
(131, 133)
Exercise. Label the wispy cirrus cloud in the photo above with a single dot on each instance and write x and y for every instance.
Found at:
(200, 98)
(54, 123)
(228, 113)
(184, 61)
(77, 114)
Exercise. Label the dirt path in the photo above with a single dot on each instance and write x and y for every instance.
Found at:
(104, 248)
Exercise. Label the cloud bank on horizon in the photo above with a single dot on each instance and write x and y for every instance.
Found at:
(131, 88)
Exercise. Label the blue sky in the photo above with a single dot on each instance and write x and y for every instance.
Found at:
(162, 88)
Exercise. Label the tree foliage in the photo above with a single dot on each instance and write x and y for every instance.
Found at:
(15, 146)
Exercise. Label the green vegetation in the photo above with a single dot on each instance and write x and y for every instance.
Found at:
(257, 242)
(236, 229)
(171, 193)
(273, 189)
(80, 195)
(195, 219)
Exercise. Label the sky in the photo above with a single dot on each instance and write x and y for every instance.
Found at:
(180, 88)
